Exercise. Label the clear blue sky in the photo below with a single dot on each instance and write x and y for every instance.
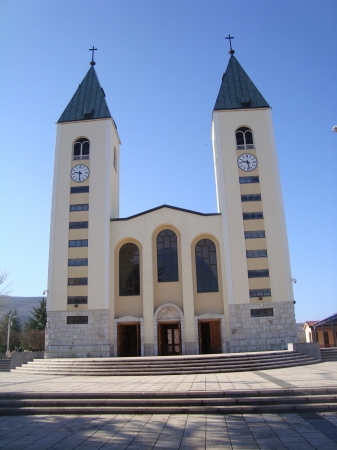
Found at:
(160, 64)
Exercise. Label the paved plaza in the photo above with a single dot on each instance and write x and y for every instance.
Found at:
(175, 431)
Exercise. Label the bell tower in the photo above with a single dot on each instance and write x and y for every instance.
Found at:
(85, 198)
(258, 278)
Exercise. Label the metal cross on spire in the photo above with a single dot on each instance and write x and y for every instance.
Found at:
(93, 49)
(231, 51)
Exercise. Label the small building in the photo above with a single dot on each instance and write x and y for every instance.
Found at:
(322, 331)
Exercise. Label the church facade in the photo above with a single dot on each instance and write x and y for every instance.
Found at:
(168, 281)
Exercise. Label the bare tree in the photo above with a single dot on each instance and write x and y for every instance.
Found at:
(5, 288)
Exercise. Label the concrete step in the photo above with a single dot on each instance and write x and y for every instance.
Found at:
(158, 372)
(182, 359)
(194, 402)
(142, 362)
(200, 364)
(5, 365)
(329, 354)
(167, 365)
(164, 371)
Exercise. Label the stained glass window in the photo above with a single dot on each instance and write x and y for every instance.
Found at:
(206, 265)
(129, 275)
(167, 256)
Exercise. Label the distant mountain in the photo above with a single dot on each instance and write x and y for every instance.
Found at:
(23, 306)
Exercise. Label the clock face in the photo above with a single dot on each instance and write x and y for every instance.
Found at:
(79, 173)
(247, 162)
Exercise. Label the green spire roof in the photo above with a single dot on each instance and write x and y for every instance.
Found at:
(88, 101)
(237, 90)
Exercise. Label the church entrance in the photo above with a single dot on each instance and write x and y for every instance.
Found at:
(169, 339)
(128, 340)
(209, 337)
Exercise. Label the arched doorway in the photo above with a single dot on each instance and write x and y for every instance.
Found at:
(210, 333)
(129, 336)
(169, 330)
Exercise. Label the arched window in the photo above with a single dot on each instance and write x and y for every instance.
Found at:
(129, 274)
(167, 256)
(207, 272)
(81, 149)
(244, 138)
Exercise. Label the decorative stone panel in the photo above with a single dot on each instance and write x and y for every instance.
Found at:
(210, 316)
(129, 320)
(77, 340)
(169, 313)
(251, 334)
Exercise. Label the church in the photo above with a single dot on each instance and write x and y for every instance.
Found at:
(168, 281)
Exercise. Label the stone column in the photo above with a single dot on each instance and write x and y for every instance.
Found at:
(148, 298)
(188, 299)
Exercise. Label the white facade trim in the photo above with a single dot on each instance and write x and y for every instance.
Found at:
(53, 221)
(129, 320)
(168, 312)
(222, 207)
(283, 227)
(107, 201)
(210, 317)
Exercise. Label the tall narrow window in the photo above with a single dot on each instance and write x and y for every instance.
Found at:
(207, 272)
(81, 149)
(244, 138)
(129, 275)
(115, 159)
(167, 256)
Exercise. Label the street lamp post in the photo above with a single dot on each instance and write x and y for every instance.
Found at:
(10, 317)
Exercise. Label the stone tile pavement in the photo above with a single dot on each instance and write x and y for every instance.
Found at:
(164, 431)
(179, 431)
(314, 375)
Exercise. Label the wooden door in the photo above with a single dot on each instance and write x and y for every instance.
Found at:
(169, 339)
(160, 340)
(215, 337)
(204, 338)
(128, 340)
(120, 339)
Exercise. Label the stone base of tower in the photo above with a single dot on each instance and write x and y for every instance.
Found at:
(77, 340)
(250, 334)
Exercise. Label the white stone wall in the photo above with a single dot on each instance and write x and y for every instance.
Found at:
(251, 334)
(149, 350)
(301, 333)
(77, 340)
(189, 348)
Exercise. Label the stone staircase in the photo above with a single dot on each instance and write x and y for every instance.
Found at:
(169, 365)
(189, 402)
(329, 354)
(5, 365)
